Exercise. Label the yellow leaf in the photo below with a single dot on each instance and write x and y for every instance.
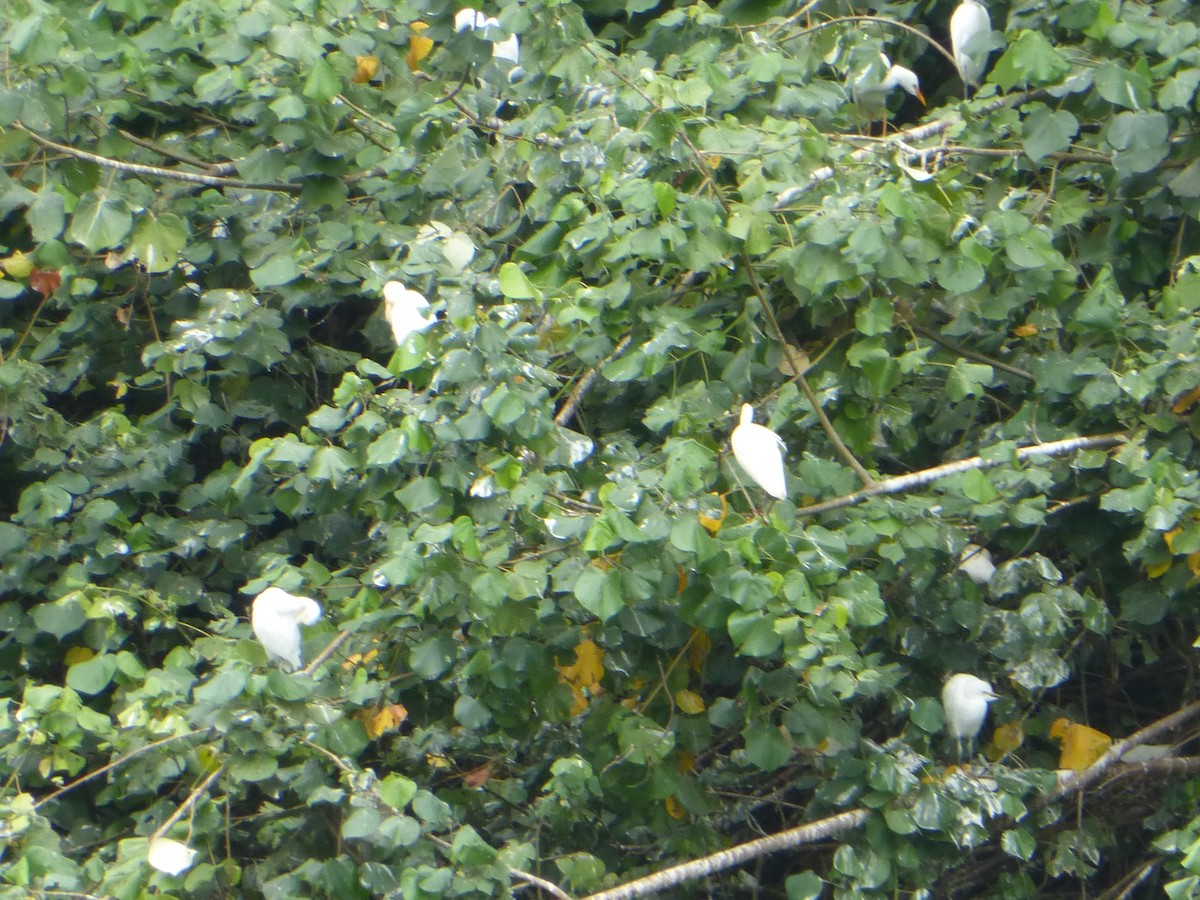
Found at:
(698, 647)
(712, 524)
(1186, 401)
(674, 808)
(1158, 570)
(18, 265)
(365, 68)
(1169, 538)
(381, 721)
(685, 762)
(1081, 745)
(1026, 330)
(690, 702)
(681, 579)
(418, 47)
(436, 762)
(77, 655)
(1193, 563)
(588, 668)
(1005, 739)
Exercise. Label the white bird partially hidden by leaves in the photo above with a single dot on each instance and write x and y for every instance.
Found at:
(969, 24)
(406, 311)
(468, 19)
(976, 563)
(276, 617)
(759, 451)
(170, 856)
(870, 87)
(965, 700)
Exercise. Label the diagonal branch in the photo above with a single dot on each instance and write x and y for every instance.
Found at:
(928, 476)
(156, 171)
(734, 856)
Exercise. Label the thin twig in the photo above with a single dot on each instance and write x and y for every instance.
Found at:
(330, 649)
(188, 803)
(971, 354)
(567, 413)
(927, 476)
(119, 761)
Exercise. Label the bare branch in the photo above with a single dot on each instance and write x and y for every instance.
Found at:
(734, 856)
(156, 171)
(188, 803)
(927, 476)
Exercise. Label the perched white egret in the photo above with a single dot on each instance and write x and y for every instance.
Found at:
(170, 856)
(870, 87)
(406, 311)
(976, 563)
(965, 700)
(276, 617)
(969, 21)
(759, 451)
(468, 19)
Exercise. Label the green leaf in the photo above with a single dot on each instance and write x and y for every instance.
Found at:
(1140, 139)
(157, 241)
(1048, 131)
(323, 83)
(60, 618)
(599, 592)
(278, 270)
(1030, 61)
(93, 675)
(515, 285)
(397, 791)
(766, 747)
(46, 215)
(101, 220)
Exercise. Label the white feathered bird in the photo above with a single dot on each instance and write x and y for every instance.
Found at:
(468, 19)
(405, 310)
(759, 451)
(276, 617)
(969, 20)
(965, 700)
(871, 94)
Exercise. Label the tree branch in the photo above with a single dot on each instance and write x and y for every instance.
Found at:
(156, 171)
(927, 476)
(726, 859)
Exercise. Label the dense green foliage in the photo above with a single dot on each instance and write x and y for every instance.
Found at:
(576, 647)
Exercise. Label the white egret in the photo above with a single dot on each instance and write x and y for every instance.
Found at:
(276, 617)
(870, 91)
(965, 700)
(170, 856)
(468, 19)
(759, 451)
(976, 563)
(969, 21)
(406, 311)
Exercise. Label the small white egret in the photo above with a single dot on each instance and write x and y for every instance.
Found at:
(969, 21)
(468, 19)
(276, 617)
(406, 311)
(965, 700)
(170, 856)
(976, 563)
(759, 451)
(870, 91)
